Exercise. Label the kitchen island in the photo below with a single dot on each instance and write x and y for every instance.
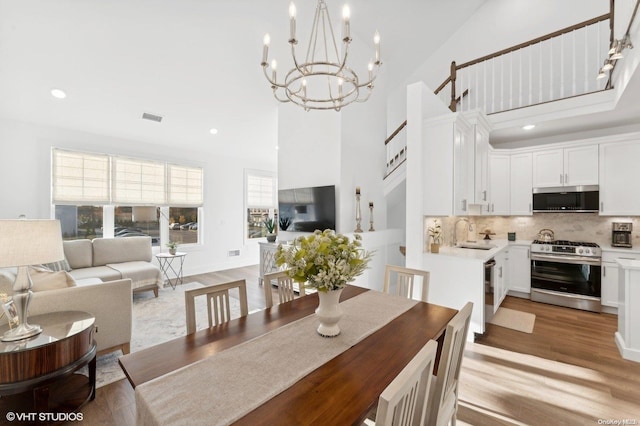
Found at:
(628, 334)
(458, 276)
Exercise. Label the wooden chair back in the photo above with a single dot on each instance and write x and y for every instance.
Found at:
(443, 405)
(402, 402)
(218, 307)
(405, 281)
(287, 287)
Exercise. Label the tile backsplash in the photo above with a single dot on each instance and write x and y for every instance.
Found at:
(566, 226)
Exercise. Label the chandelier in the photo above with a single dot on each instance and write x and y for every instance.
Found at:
(323, 80)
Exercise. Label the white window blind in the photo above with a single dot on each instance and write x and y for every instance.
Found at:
(185, 186)
(138, 182)
(79, 178)
(261, 192)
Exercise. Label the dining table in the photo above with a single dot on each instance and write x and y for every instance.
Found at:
(271, 367)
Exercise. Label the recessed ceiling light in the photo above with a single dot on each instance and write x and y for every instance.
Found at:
(58, 93)
(277, 147)
(528, 127)
(213, 131)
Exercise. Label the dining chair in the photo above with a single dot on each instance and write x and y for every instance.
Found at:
(405, 281)
(443, 401)
(287, 288)
(218, 307)
(402, 401)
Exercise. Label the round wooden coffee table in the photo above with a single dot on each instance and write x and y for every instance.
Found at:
(37, 374)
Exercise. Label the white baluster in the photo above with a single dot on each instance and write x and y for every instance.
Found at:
(540, 73)
(551, 73)
(530, 75)
(586, 61)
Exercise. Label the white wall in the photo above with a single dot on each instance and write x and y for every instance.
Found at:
(343, 148)
(25, 171)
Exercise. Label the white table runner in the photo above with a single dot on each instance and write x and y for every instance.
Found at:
(224, 387)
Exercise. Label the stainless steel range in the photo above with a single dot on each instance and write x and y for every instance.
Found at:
(566, 273)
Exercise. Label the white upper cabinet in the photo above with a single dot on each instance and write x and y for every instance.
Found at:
(566, 167)
(499, 183)
(478, 160)
(619, 183)
(521, 185)
(445, 170)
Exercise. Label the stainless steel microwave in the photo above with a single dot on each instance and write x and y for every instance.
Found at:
(577, 199)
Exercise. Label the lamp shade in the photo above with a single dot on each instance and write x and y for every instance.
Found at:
(30, 242)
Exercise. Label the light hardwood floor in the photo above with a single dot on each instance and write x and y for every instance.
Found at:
(567, 372)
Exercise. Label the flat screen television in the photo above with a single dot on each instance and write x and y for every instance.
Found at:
(307, 209)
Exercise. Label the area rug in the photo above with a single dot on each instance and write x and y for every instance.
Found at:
(515, 320)
(156, 320)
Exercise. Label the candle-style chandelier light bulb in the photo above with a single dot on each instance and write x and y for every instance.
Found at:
(323, 80)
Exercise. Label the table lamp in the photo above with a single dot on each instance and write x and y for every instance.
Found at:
(24, 243)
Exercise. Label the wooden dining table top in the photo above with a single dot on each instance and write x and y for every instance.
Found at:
(341, 391)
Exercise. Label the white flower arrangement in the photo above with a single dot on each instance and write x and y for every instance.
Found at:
(324, 260)
(435, 232)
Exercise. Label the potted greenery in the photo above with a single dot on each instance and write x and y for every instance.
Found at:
(435, 232)
(270, 226)
(173, 247)
(327, 262)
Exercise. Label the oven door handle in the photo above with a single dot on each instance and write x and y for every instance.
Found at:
(576, 260)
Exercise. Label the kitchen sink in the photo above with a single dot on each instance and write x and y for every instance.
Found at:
(476, 246)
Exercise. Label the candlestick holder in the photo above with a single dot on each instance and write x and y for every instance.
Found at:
(371, 217)
(358, 214)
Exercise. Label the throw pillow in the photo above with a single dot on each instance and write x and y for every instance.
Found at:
(44, 280)
(60, 265)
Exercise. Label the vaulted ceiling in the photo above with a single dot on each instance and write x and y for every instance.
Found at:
(194, 62)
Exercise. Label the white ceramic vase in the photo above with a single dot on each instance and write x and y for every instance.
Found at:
(329, 312)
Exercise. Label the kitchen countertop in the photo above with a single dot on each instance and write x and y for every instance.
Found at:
(477, 254)
(608, 247)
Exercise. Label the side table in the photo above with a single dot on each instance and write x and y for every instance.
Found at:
(166, 266)
(37, 374)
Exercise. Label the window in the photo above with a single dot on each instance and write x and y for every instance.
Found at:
(131, 221)
(260, 187)
(183, 225)
(79, 222)
(131, 190)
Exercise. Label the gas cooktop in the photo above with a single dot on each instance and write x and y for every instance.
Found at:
(564, 247)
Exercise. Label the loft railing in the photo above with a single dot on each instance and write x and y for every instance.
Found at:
(396, 146)
(556, 66)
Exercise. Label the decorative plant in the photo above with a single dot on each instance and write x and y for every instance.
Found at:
(285, 222)
(270, 225)
(172, 245)
(324, 260)
(435, 232)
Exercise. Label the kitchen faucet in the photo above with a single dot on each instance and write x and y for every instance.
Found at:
(455, 229)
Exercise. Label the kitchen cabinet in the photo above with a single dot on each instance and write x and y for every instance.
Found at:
(610, 275)
(445, 168)
(499, 184)
(619, 183)
(521, 185)
(519, 269)
(500, 277)
(480, 144)
(566, 167)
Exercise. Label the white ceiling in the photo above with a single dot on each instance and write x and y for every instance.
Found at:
(196, 63)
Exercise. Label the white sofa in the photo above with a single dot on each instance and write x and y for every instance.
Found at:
(110, 303)
(113, 259)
